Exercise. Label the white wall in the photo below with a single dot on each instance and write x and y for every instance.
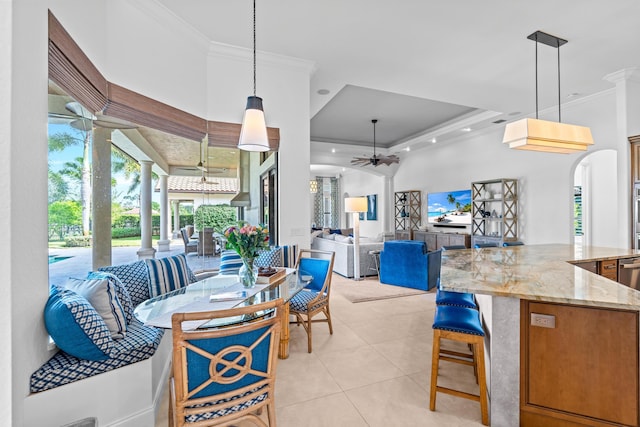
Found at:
(360, 183)
(545, 180)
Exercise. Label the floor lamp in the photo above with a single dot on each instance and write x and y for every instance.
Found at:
(356, 205)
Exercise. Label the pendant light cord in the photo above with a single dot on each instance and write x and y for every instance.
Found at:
(536, 77)
(254, 47)
(559, 113)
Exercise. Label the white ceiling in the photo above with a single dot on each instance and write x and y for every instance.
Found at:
(397, 60)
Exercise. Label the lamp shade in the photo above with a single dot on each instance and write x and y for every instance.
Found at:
(355, 204)
(542, 135)
(253, 135)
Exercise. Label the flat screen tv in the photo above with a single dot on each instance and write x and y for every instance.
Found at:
(449, 208)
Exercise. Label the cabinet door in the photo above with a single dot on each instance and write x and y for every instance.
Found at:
(432, 244)
(457, 239)
(609, 269)
(442, 240)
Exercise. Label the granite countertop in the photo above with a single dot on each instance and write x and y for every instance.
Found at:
(538, 272)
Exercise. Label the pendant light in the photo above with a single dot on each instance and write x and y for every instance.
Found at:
(543, 135)
(253, 135)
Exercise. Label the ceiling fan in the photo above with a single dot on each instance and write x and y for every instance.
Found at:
(78, 117)
(376, 159)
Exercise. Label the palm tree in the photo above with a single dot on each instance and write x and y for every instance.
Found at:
(122, 162)
(451, 199)
(60, 141)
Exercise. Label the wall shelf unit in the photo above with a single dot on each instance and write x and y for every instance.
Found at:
(407, 210)
(494, 211)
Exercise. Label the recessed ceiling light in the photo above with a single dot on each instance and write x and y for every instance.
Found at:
(466, 129)
(407, 149)
(323, 91)
(573, 95)
(333, 150)
(433, 140)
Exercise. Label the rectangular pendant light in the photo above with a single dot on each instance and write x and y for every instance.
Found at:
(543, 135)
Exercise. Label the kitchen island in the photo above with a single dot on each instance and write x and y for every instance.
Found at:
(562, 341)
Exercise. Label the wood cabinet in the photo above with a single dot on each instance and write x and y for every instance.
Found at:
(581, 371)
(407, 210)
(494, 211)
(436, 240)
(609, 269)
(403, 234)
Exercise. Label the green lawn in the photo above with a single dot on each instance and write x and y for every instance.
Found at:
(115, 243)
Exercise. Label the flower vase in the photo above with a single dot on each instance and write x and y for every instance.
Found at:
(248, 273)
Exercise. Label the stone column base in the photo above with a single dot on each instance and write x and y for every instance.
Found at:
(146, 253)
(164, 245)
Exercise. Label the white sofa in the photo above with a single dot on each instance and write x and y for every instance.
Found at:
(343, 248)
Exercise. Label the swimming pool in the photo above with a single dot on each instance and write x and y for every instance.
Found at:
(56, 258)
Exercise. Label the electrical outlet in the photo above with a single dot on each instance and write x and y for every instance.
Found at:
(543, 320)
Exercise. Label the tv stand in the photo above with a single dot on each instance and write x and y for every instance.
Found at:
(436, 240)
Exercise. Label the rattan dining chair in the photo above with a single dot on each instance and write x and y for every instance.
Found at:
(314, 298)
(225, 375)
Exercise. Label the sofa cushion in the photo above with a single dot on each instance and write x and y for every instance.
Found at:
(135, 277)
(343, 239)
(270, 258)
(230, 262)
(140, 343)
(167, 274)
(75, 326)
(121, 291)
(101, 294)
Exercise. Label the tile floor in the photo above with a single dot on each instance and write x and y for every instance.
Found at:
(373, 371)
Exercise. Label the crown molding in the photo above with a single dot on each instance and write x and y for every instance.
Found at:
(243, 54)
(631, 73)
(171, 22)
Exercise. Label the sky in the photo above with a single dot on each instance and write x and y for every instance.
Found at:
(58, 159)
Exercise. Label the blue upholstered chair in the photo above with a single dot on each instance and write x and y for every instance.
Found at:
(222, 376)
(462, 325)
(314, 298)
(407, 263)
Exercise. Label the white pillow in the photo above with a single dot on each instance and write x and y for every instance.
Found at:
(343, 239)
(329, 236)
(317, 233)
(101, 294)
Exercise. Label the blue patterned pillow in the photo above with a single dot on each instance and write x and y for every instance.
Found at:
(230, 262)
(135, 277)
(101, 294)
(121, 291)
(270, 258)
(167, 274)
(76, 327)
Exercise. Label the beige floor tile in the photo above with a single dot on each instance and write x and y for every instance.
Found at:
(329, 411)
(302, 377)
(358, 367)
(410, 354)
(343, 338)
(401, 402)
(391, 327)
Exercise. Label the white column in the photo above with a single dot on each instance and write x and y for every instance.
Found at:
(101, 189)
(164, 244)
(176, 219)
(146, 249)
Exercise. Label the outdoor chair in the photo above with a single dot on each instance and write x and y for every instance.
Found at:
(206, 246)
(222, 376)
(314, 298)
(189, 245)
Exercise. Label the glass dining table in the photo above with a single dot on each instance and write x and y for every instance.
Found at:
(223, 292)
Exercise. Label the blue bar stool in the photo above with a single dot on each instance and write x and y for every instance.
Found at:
(505, 244)
(463, 325)
(458, 299)
(485, 245)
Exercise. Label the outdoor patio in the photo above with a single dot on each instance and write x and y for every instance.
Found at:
(79, 262)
